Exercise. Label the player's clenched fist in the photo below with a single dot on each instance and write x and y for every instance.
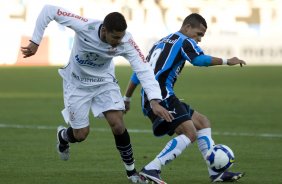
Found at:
(29, 50)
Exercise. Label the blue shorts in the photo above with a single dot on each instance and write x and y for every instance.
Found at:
(180, 111)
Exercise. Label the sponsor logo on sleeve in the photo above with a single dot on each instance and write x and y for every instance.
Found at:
(132, 42)
(68, 14)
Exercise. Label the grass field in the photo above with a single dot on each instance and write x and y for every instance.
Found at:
(243, 104)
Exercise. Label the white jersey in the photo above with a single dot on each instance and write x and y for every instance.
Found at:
(91, 59)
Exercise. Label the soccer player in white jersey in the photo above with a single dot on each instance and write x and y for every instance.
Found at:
(89, 81)
(167, 57)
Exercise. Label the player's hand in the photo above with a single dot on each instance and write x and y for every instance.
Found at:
(127, 106)
(161, 111)
(235, 61)
(29, 50)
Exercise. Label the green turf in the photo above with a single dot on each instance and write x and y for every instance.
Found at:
(244, 101)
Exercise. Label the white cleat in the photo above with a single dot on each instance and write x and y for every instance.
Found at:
(136, 178)
(62, 149)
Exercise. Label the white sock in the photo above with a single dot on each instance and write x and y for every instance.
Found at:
(205, 142)
(172, 149)
(129, 167)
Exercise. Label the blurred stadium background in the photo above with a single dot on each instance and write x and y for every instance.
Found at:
(243, 28)
(244, 104)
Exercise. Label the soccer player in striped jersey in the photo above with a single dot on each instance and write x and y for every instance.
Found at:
(167, 57)
(89, 81)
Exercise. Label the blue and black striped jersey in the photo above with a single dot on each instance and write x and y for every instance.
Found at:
(167, 57)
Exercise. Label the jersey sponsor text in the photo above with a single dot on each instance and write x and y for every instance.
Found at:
(68, 14)
(138, 50)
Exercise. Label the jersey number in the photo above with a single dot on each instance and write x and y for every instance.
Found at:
(154, 57)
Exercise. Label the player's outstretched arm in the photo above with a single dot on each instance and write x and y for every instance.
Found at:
(29, 50)
(235, 61)
(206, 60)
(230, 62)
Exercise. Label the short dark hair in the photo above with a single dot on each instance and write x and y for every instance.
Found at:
(115, 21)
(195, 20)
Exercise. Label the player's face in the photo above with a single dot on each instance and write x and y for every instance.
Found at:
(112, 37)
(196, 32)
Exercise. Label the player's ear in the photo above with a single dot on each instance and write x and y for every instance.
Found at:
(187, 28)
(103, 32)
(103, 29)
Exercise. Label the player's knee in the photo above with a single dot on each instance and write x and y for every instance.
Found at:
(205, 122)
(187, 128)
(115, 120)
(118, 128)
(200, 121)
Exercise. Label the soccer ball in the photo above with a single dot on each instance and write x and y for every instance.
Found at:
(219, 158)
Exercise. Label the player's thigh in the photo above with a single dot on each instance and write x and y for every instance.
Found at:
(77, 106)
(200, 121)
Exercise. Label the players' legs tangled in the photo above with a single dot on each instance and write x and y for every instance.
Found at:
(196, 129)
(186, 135)
(172, 149)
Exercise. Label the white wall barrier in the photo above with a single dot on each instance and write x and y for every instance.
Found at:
(249, 29)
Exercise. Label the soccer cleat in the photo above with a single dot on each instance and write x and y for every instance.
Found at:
(62, 149)
(152, 175)
(136, 178)
(226, 177)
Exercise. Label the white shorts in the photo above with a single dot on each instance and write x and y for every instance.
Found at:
(79, 101)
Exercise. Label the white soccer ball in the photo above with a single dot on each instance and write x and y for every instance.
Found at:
(220, 157)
